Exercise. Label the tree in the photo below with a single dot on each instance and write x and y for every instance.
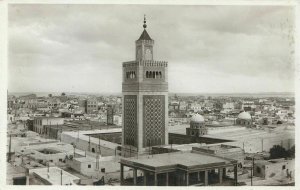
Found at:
(50, 95)
(63, 94)
(278, 151)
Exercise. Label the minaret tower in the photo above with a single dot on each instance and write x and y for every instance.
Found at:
(145, 99)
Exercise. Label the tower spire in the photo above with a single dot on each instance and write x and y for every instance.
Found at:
(145, 35)
(144, 25)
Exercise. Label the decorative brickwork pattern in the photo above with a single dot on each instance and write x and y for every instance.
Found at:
(154, 120)
(130, 120)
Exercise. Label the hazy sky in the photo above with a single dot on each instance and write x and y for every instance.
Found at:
(210, 49)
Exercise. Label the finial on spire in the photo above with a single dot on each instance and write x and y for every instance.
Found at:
(144, 25)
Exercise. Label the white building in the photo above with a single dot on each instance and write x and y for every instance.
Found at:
(39, 123)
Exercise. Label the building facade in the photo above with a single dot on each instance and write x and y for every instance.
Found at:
(145, 99)
(91, 106)
(110, 115)
(40, 123)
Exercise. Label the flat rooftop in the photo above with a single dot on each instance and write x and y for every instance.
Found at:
(183, 159)
(82, 125)
(219, 147)
(54, 176)
(84, 135)
(241, 133)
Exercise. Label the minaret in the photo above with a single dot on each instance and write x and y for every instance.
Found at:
(145, 99)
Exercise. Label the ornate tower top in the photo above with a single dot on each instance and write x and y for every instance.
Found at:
(145, 35)
(144, 45)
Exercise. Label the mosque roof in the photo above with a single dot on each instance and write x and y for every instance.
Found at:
(197, 118)
(244, 115)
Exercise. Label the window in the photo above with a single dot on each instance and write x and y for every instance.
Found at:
(93, 149)
(130, 75)
(153, 74)
(89, 166)
(283, 167)
(103, 170)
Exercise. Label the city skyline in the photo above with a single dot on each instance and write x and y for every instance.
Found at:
(65, 51)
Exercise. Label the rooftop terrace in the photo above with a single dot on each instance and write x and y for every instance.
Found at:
(180, 159)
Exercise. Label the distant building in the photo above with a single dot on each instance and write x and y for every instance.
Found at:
(40, 123)
(248, 106)
(174, 106)
(244, 118)
(110, 115)
(276, 168)
(183, 106)
(228, 107)
(117, 120)
(95, 167)
(197, 126)
(196, 107)
(91, 106)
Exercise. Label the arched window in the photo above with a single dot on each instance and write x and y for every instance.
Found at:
(157, 75)
(154, 75)
(147, 74)
(150, 75)
(160, 74)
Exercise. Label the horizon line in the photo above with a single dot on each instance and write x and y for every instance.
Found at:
(290, 92)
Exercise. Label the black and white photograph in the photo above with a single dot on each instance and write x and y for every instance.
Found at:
(149, 94)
